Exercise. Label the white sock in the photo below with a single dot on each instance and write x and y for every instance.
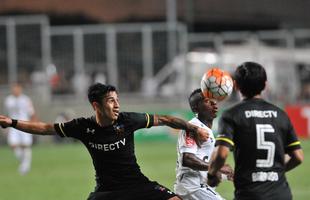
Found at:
(18, 151)
(26, 161)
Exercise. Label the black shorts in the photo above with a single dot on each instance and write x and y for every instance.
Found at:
(149, 191)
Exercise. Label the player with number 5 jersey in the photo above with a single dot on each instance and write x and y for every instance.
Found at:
(261, 137)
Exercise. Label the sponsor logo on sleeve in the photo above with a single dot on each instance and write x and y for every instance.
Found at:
(189, 141)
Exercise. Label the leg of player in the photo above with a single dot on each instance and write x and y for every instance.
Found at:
(17, 151)
(14, 142)
(25, 164)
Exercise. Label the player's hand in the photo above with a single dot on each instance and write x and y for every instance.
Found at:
(214, 180)
(228, 171)
(5, 121)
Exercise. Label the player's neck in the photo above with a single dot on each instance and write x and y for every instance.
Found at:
(206, 122)
(258, 96)
(102, 121)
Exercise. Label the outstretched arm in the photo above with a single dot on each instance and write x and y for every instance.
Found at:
(37, 128)
(199, 134)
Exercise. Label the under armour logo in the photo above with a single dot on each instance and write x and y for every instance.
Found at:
(91, 131)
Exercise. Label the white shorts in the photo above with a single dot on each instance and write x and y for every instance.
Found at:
(189, 188)
(202, 193)
(19, 138)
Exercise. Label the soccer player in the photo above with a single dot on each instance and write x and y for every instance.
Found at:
(19, 106)
(260, 135)
(108, 136)
(193, 158)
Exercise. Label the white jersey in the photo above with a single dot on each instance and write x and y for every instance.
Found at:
(189, 180)
(18, 108)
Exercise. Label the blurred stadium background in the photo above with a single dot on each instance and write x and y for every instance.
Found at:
(155, 53)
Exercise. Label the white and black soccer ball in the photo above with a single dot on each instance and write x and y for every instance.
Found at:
(216, 84)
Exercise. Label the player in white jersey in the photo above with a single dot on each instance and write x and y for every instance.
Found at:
(193, 158)
(19, 106)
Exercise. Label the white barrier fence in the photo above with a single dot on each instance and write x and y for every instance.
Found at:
(149, 59)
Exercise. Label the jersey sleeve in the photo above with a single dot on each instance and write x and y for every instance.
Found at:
(225, 131)
(139, 120)
(186, 143)
(292, 143)
(69, 129)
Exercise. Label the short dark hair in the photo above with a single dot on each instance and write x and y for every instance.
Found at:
(251, 78)
(193, 99)
(97, 91)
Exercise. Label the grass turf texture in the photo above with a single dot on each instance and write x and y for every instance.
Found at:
(65, 172)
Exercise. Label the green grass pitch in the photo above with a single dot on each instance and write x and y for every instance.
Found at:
(65, 172)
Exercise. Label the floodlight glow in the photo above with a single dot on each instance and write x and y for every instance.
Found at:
(200, 57)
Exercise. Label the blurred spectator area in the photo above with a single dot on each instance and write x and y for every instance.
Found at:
(304, 74)
(144, 59)
(199, 15)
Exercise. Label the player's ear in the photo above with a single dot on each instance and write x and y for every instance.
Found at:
(265, 87)
(95, 105)
(236, 85)
(195, 109)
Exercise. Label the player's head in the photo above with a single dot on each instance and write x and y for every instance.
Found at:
(201, 105)
(250, 78)
(104, 100)
(16, 89)
(194, 98)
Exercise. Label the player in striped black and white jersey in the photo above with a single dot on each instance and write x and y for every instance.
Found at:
(19, 106)
(193, 158)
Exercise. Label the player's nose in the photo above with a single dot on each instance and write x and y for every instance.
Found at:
(214, 105)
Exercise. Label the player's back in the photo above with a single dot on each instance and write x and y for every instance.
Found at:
(260, 135)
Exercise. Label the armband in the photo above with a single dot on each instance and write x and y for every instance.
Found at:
(14, 123)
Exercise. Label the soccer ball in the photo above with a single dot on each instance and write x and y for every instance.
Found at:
(216, 84)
